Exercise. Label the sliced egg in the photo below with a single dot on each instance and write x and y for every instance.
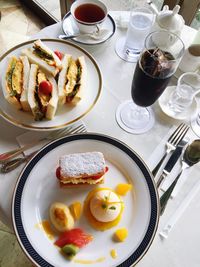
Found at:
(61, 217)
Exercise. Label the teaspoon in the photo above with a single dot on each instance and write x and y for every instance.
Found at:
(100, 34)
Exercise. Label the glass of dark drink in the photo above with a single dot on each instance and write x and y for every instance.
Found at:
(157, 63)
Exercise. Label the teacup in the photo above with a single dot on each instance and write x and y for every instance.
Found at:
(88, 15)
(191, 59)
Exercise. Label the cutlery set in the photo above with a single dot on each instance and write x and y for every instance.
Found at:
(178, 147)
(172, 143)
(190, 157)
(9, 161)
(171, 162)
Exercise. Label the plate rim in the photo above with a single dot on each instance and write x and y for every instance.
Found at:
(154, 217)
(86, 43)
(45, 128)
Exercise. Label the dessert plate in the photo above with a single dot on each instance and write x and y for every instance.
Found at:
(69, 27)
(31, 207)
(66, 114)
(185, 115)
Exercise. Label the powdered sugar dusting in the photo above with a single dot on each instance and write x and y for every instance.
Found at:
(79, 164)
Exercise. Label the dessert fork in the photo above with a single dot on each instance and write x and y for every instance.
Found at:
(171, 144)
(4, 157)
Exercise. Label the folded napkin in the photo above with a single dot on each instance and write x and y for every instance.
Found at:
(32, 136)
(180, 210)
(121, 18)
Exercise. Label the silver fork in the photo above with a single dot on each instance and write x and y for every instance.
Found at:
(50, 137)
(172, 143)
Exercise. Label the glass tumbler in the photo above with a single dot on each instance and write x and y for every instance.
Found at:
(140, 24)
(182, 97)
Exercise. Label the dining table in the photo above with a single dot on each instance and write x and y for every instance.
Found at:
(181, 248)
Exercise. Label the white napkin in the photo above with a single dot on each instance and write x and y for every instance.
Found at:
(121, 18)
(180, 210)
(32, 136)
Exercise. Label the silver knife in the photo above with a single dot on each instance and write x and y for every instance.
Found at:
(171, 162)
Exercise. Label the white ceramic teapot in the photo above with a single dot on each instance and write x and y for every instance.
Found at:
(168, 19)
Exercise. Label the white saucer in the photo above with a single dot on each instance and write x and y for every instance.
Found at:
(185, 115)
(69, 27)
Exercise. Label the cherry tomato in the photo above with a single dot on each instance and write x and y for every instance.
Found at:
(58, 54)
(45, 87)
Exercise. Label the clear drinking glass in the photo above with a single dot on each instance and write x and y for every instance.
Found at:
(182, 97)
(155, 67)
(140, 23)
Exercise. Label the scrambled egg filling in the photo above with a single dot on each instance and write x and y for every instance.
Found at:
(44, 99)
(17, 77)
(71, 76)
(14, 77)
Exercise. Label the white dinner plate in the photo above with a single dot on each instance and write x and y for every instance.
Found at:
(69, 27)
(37, 188)
(186, 115)
(66, 114)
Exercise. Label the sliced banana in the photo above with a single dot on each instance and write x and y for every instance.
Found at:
(61, 217)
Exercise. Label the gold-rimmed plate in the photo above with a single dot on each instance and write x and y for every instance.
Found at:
(66, 114)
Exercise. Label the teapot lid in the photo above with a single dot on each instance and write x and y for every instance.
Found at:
(170, 19)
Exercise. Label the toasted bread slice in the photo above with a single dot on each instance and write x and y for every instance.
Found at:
(24, 94)
(38, 44)
(72, 80)
(62, 79)
(81, 80)
(53, 103)
(34, 59)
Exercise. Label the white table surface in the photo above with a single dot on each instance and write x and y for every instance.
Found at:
(181, 249)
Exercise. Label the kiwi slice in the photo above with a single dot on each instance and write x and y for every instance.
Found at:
(70, 250)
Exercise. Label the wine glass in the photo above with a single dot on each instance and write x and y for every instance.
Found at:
(156, 65)
(140, 23)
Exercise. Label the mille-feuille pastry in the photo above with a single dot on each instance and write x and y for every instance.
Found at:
(81, 168)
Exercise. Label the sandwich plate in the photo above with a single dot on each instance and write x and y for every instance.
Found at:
(31, 207)
(66, 114)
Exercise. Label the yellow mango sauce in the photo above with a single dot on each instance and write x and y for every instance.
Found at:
(46, 227)
(113, 253)
(89, 261)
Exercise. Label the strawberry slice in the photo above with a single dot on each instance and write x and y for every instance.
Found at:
(96, 177)
(75, 236)
(58, 172)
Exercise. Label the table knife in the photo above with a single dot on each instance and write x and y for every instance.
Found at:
(171, 162)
